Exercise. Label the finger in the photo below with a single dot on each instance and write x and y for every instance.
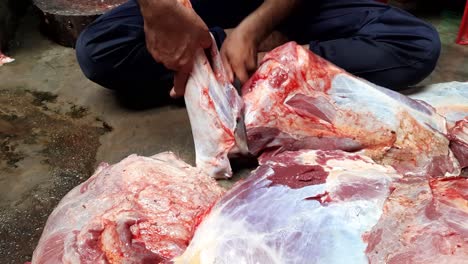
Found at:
(205, 39)
(251, 64)
(227, 67)
(180, 80)
(241, 72)
(153, 53)
(228, 31)
(172, 65)
(185, 63)
(260, 57)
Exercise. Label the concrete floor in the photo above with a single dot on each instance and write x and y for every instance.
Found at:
(56, 126)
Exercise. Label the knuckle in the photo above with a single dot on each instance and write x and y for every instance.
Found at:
(171, 65)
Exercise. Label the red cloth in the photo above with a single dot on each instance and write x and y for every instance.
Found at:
(463, 33)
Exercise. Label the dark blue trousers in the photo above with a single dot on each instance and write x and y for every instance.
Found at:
(382, 44)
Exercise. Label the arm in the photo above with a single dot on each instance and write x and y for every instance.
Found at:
(269, 15)
(173, 33)
(239, 51)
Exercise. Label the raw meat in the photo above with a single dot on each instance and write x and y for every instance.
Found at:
(5, 59)
(215, 111)
(140, 210)
(459, 141)
(297, 100)
(423, 222)
(297, 207)
(451, 101)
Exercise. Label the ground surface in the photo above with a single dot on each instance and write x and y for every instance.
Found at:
(56, 126)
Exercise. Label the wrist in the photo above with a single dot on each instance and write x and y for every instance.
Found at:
(262, 22)
(156, 7)
(255, 29)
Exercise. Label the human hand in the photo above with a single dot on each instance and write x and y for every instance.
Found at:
(173, 33)
(239, 54)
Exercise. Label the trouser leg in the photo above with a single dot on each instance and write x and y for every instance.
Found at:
(382, 44)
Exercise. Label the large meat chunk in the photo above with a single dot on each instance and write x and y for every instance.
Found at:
(451, 101)
(297, 207)
(140, 210)
(215, 111)
(297, 100)
(423, 222)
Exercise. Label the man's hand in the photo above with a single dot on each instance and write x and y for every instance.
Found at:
(173, 33)
(239, 50)
(239, 54)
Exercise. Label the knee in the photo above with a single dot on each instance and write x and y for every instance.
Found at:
(95, 71)
(431, 47)
(84, 55)
(422, 59)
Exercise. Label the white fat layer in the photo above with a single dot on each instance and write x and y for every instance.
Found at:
(384, 105)
(276, 224)
(450, 99)
(213, 107)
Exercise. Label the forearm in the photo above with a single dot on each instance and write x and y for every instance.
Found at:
(266, 17)
(152, 3)
(156, 8)
(163, 2)
(153, 9)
